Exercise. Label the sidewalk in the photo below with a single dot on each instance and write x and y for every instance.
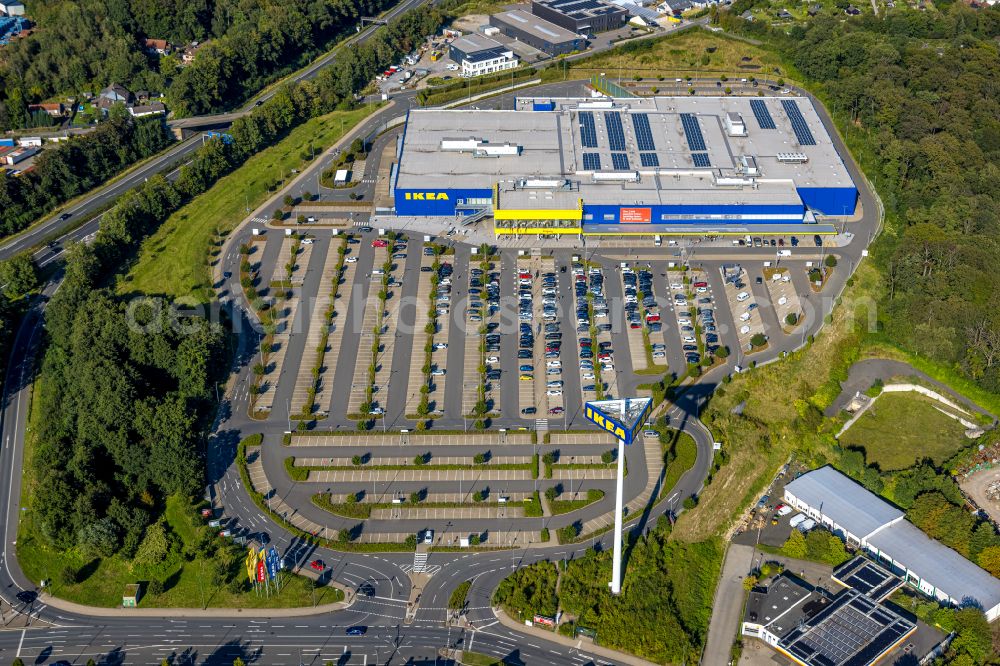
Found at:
(584, 644)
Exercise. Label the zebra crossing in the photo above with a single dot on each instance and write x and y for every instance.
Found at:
(541, 425)
(420, 565)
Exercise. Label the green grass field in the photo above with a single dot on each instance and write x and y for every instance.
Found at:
(187, 583)
(175, 261)
(902, 428)
(695, 52)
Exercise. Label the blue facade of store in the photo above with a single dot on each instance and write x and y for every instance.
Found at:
(437, 202)
(829, 200)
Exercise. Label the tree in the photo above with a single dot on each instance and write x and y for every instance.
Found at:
(758, 340)
(795, 546)
(750, 582)
(551, 493)
(154, 546)
(830, 261)
(289, 201)
(238, 662)
(722, 352)
(791, 319)
(989, 559)
(18, 275)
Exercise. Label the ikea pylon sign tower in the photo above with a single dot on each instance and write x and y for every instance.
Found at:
(621, 418)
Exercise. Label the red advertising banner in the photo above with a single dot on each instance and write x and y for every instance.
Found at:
(260, 571)
(635, 215)
(544, 620)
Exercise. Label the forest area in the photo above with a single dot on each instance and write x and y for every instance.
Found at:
(915, 95)
(126, 389)
(86, 45)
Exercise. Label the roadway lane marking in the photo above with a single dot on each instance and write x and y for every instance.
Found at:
(20, 643)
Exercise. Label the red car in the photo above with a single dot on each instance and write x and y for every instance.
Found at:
(700, 284)
(317, 565)
(556, 410)
(379, 243)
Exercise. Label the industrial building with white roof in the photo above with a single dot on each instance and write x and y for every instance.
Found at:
(628, 166)
(869, 522)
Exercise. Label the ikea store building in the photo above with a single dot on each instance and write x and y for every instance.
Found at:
(635, 166)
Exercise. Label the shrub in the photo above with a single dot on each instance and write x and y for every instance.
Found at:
(758, 340)
(791, 319)
(830, 261)
(69, 575)
(690, 502)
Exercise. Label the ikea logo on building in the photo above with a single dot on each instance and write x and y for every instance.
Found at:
(427, 196)
(609, 425)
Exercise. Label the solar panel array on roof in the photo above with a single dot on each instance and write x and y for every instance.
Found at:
(867, 577)
(701, 159)
(592, 161)
(588, 132)
(643, 132)
(762, 114)
(799, 125)
(692, 130)
(649, 159)
(616, 133)
(852, 631)
(619, 161)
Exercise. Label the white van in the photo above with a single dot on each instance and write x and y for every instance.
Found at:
(742, 296)
(796, 519)
(806, 525)
(745, 316)
(657, 241)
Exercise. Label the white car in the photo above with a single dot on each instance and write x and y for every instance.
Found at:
(745, 316)
(451, 68)
(553, 364)
(492, 359)
(676, 286)
(744, 330)
(742, 296)
(684, 322)
(351, 260)
(437, 372)
(553, 392)
(589, 375)
(689, 340)
(553, 371)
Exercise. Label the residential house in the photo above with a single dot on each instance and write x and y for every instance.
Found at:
(140, 111)
(54, 109)
(188, 54)
(114, 94)
(784, 14)
(158, 47)
(852, 10)
(814, 9)
(11, 7)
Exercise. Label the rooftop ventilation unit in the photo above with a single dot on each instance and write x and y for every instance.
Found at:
(735, 125)
(541, 184)
(624, 176)
(747, 165)
(479, 147)
(793, 158)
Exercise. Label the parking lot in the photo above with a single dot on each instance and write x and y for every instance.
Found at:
(617, 318)
(744, 307)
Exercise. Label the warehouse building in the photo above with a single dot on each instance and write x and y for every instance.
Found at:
(538, 33)
(868, 522)
(813, 627)
(477, 55)
(637, 166)
(582, 16)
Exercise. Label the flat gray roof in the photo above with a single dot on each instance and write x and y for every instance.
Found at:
(938, 565)
(849, 504)
(539, 27)
(473, 43)
(552, 147)
(782, 605)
